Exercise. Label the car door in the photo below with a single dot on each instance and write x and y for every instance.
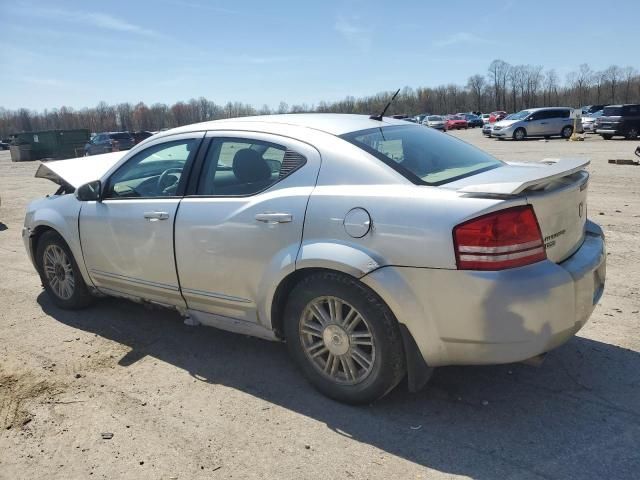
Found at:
(537, 123)
(240, 228)
(127, 237)
(94, 144)
(559, 119)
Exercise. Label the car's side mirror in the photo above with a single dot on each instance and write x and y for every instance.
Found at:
(91, 191)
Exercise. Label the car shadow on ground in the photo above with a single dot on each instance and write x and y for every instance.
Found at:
(577, 416)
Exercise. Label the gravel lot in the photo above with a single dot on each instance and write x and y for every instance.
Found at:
(184, 402)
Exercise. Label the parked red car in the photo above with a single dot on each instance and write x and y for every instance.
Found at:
(456, 122)
(497, 116)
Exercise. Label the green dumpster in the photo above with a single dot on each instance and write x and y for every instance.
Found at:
(54, 144)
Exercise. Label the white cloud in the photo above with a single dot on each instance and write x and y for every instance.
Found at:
(95, 19)
(356, 35)
(459, 38)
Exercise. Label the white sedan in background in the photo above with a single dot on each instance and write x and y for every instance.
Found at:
(375, 248)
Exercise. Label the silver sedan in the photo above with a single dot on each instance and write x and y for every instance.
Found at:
(375, 248)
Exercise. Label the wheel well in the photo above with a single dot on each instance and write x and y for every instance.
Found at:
(281, 296)
(35, 238)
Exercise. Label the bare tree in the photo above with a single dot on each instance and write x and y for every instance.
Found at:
(476, 85)
(613, 74)
(628, 74)
(498, 73)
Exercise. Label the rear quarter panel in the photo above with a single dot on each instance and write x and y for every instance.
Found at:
(410, 225)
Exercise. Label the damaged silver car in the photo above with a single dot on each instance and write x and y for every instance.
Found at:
(375, 248)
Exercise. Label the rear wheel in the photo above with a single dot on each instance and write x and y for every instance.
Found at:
(344, 338)
(566, 132)
(520, 134)
(632, 134)
(59, 273)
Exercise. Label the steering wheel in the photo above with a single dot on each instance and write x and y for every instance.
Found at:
(160, 185)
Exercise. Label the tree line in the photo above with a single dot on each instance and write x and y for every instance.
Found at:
(503, 87)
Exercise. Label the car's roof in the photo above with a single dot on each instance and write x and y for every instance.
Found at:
(546, 108)
(332, 123)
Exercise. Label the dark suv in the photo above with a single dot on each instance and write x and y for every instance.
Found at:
(109, 142)
(589, 109)
(620, 120)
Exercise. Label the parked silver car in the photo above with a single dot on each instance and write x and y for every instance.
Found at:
(435, 121)
(536, 122)
(589, 121)
(375, 248)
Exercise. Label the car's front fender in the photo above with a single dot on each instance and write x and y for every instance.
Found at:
(59, 213)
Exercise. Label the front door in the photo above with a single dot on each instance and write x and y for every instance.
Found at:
(127, 238)
(242, 226)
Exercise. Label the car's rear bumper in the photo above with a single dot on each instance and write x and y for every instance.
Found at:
(608, 131)
(473, 318)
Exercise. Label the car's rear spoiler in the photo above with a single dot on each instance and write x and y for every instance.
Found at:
(518, 177)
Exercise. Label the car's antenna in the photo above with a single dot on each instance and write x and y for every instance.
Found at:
(379, 117)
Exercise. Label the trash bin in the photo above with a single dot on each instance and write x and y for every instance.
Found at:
(20, 153)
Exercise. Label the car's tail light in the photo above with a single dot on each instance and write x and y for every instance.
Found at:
(505, 239)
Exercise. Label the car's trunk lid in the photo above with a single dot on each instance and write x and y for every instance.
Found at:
(557, 190)
(78, 171)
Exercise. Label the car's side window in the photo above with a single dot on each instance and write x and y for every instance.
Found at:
(154, 172)
(240, 167)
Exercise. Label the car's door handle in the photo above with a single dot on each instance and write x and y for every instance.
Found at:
(274, 217)
(543, 123)
(155, 216)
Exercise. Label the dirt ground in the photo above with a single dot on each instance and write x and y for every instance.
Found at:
(184, 402)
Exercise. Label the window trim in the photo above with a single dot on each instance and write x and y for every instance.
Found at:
(184, 176)
(409, 175)
(209, 143)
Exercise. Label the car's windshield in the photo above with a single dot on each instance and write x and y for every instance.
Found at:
(521, 115)
(120, 136)
(434, 118)
(423, 155)
(612, 111)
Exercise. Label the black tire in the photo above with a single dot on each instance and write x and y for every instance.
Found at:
(607, 136)
(520, 134)
(566, 131)
(388, 364)
(632, 134)
(80, 296)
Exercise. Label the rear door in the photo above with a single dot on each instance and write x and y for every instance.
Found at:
(240, 226)
(561, 118)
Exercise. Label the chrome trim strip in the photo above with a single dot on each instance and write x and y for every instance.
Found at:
(164, 286)
(221, 296)
(505, 249)
(500, 258)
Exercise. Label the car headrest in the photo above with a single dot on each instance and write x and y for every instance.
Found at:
(249, 166)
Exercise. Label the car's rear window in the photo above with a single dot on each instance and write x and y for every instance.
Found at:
(120, 136)
(423, 155)
(612, 111)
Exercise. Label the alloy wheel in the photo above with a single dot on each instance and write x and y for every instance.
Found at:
(58, 271)
(337, 340)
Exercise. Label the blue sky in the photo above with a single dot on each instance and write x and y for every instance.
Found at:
(78, 53)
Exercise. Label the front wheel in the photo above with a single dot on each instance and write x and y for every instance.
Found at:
(632, 134)
(344, 338)
(607, 137)
(519, 134)
(59, 273)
